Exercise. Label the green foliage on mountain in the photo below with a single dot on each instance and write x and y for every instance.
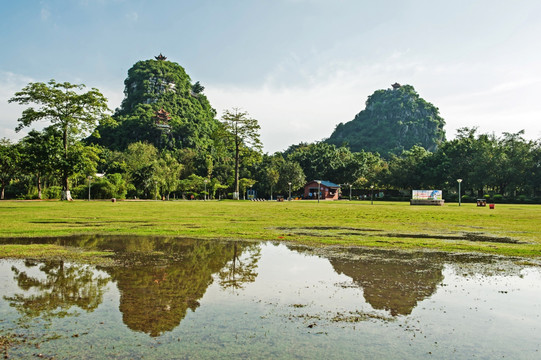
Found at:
(393, 120)
(153, 85)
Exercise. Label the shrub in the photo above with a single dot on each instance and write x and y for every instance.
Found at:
(52, 192)
(79, 192)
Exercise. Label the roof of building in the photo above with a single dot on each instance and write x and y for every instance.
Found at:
(325, 183)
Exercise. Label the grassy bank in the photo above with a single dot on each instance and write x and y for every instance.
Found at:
(507, 230)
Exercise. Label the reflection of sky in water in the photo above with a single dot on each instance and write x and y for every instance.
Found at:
(444, 310)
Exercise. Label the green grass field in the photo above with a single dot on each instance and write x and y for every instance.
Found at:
(512, 230)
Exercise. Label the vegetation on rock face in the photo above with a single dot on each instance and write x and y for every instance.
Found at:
(153, 85)
(394, 120)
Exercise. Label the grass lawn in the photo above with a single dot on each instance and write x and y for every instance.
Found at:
(512, 230)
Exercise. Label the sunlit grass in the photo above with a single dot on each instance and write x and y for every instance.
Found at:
(384, 224)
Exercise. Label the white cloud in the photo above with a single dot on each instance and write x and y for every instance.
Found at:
(10, 83)
(470, 96)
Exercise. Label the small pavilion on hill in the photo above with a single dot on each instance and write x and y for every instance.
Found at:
(160, 57)
(162, 118)
(328, 190)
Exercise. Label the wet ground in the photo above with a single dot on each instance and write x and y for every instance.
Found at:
(182, 299)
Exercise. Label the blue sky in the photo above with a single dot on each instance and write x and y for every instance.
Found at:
(298, 66)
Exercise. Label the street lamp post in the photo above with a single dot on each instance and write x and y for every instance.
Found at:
(89, 178)
(289, 198)
(206, 181)
(459, 197)
(318, 189)
(350, 192)
(371, 194)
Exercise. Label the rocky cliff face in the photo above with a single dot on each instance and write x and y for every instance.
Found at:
(393, 120)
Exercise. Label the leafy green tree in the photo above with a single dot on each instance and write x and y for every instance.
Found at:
(40, 151)
(243, 134)
(327, 162)
(408, 170)
(168, 173)
(393, 120)
(192, 185)
(9, 159)
(244, 184)
(141, 163)
(69, 112)
(290, 172)
(514, 163)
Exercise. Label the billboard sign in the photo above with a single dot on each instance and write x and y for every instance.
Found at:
(426, 195)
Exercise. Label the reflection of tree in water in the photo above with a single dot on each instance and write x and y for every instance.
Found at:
(240, 270)
(59, 287)
(394, 282)
(158, 288)
(159, 278)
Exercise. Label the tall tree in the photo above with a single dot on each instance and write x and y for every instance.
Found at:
(243, 132)
(141, 163)
(9, 158)
(69, 111)
(40, 151)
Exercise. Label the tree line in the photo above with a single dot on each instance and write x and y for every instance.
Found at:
(63, 161)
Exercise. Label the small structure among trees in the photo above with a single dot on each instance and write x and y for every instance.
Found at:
(160, 57)
(327, 190)
(162, 118)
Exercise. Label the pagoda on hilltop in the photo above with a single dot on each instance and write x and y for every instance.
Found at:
(162, 118)
(160, 57)
(396, 85)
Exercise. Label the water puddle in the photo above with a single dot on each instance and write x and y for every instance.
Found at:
(165, 298)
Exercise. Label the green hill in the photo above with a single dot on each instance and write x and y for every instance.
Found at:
(161, 107)
(393, 120)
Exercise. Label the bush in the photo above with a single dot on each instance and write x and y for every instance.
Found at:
(79, 192)
(498, 198)
(52, 192)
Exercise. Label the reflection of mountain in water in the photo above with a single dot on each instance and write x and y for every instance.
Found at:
(396, 285)
(391, 281)
(155, 297)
